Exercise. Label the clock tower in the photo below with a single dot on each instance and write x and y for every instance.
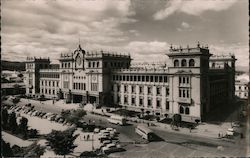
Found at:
(79, 55)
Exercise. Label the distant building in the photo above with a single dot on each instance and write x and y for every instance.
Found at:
(241, 89)
(194, 83)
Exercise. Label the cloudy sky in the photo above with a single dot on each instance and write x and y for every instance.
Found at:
(143, 28)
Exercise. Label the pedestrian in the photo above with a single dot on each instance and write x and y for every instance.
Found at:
(241, 135)
(219, 135)
(148, 124)
(84, 137)
(190, 128)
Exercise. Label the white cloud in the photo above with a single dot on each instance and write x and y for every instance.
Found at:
(55, 26)
(192, 7)
(185, 25)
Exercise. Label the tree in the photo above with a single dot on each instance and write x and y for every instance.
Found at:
(16, 100)
(6, 149)
(12, 122)
(5, 117)
(166, 115)
(62, 142)
(176, 120)
(20, 75)
(147, 112)
(197, 121)
(34, 150)
(23, 126)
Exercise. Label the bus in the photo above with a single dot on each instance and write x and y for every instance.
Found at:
(145, 132)
(118, 120)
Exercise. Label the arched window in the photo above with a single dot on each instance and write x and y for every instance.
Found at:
(181, 110)
(187, 111)
(183, 63)
(93, 64)
(68, 65)
(213, 65)
(176, 63)
(89, 64)
(191, 63)
(97, 64)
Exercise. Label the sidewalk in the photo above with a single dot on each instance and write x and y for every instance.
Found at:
(202, 130)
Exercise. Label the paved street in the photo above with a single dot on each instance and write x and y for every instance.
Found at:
(173, 144)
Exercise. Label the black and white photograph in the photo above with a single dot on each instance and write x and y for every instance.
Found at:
(125, 78)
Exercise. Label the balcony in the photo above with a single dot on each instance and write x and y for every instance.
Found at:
(184, 100)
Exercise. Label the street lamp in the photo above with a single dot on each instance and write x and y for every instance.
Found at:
(93, 142)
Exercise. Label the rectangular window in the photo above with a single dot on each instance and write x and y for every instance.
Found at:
(151, 78)
(94, 87)
(143, 78)
(141, 101)
(133, 89)
(125, 100)
(133, 100)
(84, 86)
(147, 78)
(118, 99)
(149, 90)
(167, 105)
(156, 78)
(158, 104)
(139, 78)
(160, 78)
(167, 91)
(65, 84)
(125, 88)
(149, 102)
(81, 86)
(127, 78)
(158, 91)
(141, 90)
(135, 78)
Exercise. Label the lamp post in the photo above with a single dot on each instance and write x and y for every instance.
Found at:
(93, 142)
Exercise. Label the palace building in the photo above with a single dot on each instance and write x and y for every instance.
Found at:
(194, 83)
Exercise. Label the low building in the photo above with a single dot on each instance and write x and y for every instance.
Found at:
(241, 89)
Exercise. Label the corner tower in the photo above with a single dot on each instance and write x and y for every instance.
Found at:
(188, 81)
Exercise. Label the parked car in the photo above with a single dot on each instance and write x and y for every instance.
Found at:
(96, 130)
(236, 124)
(52, 117)
(105, 142)
(104, 133)
(110, 148)
(35, 113)
(47, 115)
(103, 138)
(61, 120)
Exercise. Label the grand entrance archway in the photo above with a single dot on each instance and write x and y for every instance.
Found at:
(77, 98)
(92, 99)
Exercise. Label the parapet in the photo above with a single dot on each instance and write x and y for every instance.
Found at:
(35, 59)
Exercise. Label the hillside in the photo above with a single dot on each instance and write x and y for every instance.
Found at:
(12, 65)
